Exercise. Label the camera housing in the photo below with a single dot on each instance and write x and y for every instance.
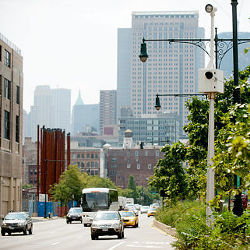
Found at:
(211, 81)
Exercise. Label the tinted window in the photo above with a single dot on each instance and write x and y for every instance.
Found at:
(107, 216)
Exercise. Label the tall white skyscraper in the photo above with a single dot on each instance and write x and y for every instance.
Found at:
(52, 108)
(170, 68)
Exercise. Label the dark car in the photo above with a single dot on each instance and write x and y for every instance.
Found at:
(74, 214)
(107, 223)
(17, 222)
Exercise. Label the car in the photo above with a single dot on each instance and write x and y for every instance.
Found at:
(74, 214)
(151, 211)
(131, 207)
(137, 206)
(107, 223)
(129, 218)
(17, 222)
(155, 205)
(144, 209)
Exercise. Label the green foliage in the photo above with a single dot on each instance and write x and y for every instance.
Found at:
(169, 174)
(27, 186)
(132, 186)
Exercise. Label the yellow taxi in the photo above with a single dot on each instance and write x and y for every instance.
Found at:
(129, 218)
(152, 211)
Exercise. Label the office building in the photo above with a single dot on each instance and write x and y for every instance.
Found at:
(243, 58)
(11, 120)
(170, 68)
(107, 109)
(123, 68)
(85, 117)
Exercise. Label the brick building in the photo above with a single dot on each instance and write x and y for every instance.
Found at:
(121, 163)
(11, 120)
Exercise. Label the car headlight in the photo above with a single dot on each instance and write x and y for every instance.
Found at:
(116, 225)
(4, 224)
(21, 223)
(68, 215)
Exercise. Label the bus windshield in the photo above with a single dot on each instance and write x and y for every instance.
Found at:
(95, 201)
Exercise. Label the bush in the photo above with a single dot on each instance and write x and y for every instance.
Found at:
(189, 218)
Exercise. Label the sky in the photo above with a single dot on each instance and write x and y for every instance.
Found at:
(73, 43)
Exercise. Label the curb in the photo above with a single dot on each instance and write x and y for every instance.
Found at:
(167, 229)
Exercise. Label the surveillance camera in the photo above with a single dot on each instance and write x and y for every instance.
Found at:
(210, 8)
(211, 81)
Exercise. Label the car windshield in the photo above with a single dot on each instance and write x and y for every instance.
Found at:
(16, 216)
(145, 207)
(127, 214)
(95, 201)
(153, 209)
(107, 216)
(75, 211)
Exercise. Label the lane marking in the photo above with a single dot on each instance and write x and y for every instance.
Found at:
(55, 243)
(117, 245)
(143, 246)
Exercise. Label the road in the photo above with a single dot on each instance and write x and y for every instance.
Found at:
(56, 234)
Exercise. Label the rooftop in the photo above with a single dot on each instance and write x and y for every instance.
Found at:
(10, 44)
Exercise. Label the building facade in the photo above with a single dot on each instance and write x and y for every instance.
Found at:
(121, 163)
(52, 109)
(84, 116)
(11, 120)
(89, 160)
(107, 108)
(123, 68)
(170, 68)
(154, 129)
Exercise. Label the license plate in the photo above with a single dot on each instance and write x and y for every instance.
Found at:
(11, 227)
(105, 229)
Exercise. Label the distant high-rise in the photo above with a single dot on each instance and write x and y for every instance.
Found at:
(243, 58)
(51, 109)
(84, 115)
(123, 68)
(170, 68)
(107, 108)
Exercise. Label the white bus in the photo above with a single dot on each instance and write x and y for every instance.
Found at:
(95, 199)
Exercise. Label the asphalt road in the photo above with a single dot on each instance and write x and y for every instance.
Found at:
(56, 234)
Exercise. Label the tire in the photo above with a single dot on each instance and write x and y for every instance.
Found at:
(30, 230)
(120, 235)
(94, 237)
(25, 231)
(85, 225)
(70, 222)
(67, 222)
(123, 234)
(3, 233)
(9, 233)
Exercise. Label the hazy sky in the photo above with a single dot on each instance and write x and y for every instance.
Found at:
(73, 43)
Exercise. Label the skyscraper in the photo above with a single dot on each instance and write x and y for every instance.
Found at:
(107, 108)
(52, 108)
(123, 68)
(84, 115)
(170, 68)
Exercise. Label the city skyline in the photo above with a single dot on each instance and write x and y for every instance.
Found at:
(89, 33)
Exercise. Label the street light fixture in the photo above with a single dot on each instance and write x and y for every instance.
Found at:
(143, 56)
(157, 103)
(209, 8)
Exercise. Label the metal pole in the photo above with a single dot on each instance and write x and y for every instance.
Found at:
(236, 93)
(216, 48)
(45, 193)
(210, 169)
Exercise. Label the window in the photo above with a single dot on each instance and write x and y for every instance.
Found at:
(92, 156)
(138, 166)
(146, 153)
(82, 156)
(92, 164)
(6, 88)
(17, 94)
(157, 153)
(96, 156)
(78, 156)
(128, 165)
(149, 166)
(6, 124)
(82, 165)
(96, 164)
(87, 155)
(136, 153)
(17, 128)
(7, 58)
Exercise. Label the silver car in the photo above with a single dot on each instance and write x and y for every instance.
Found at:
(107, 223)
(17, 222)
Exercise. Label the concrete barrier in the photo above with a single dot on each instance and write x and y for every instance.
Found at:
(167, 229)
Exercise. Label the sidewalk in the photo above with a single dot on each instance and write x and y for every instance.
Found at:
(42, 219)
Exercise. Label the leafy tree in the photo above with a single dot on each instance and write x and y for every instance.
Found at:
(169, 174)
(132, 186)
(69, 186)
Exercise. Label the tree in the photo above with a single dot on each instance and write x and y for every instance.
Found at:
(169, 175)
(132, 186)
(69, 186)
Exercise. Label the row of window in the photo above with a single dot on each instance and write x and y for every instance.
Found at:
(86, 155)
(7, 89)
(88, 165)
(7, 126)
